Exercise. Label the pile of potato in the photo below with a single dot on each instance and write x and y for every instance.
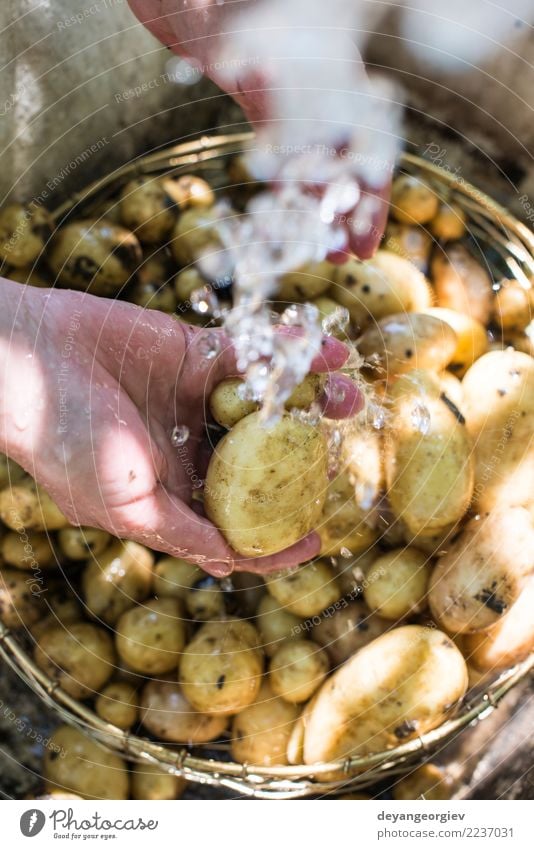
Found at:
(424, 504)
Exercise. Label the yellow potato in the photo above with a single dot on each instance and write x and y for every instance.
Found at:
(149, 207)
(62, 607)
(188, 281)
(276, 625)
(226, 404)
(397, 583)
(484, 571)
(153, 295)
(346, 630)
(195, 236)
(31, 550)
(351, 571)
(427, 782)
(205, 599)
(499, 409)
(82, 543)
(173, 577)
(428, 456)
(74, 762)
(194, 192)
(117, 704)
(79, 656)
(20, 595)
(28, 276)
(385, 285)
(334, 318)
(167, 714)
(411, 243)
(265, 486)
(150, 636)
(27, 506)
(261, 732)
(449, 223)
(23, 232)
(407, 341)
(461, 283)
(471, 338)
(10, 472)
(404, 683)
(307, 282)
(361, 456)
(343, 522)
(513, 307)
(452, 388)
(297, 669)
(413, 201)
(305, 591)
(150, 782)
(119, 578)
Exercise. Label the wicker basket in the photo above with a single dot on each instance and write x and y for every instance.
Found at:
(507, 246)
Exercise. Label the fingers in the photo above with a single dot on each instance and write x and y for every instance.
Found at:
(304, 550)
(341, 398)
(368, 221)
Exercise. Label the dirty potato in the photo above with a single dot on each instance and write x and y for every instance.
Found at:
(118, 579)
(117, 704)
(407, 341)
(397, 583)
(276, 625)
(150, 636)
(79, 656)
(72, 761)
(297, 669)
(261, 732)
(307, 590)
(166, 713)
(461, 283)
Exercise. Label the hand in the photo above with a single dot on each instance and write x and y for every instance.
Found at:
(93, 390)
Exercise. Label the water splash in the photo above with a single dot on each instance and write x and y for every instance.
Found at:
(209, 345)
(420, 418)
(179, 436)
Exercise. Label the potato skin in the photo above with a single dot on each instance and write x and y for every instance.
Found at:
(82, 543)
(429, 474)
(404, 683)
(117, 704)
(343, 522)
(411, 243)
(449, 222)
(428, 781)
(75, 762)
(397, 582)
(149, 208)
(19, 607)
(471, 338)
(297, 669)
(412, 200)
(195, 235)
(265, 487)
(307, 282)
(305, 591)
(347, 630)
(513, 306)
(484, 571)
(150, 637)
(407, 341)
(23, 231)
(167, 714)
(461, 283)
(120, 577)
(151, 782)
(31, 551)
(28, 506)
(276, 625)
(173, 577)
(261, 732)
(226, 405)
(78, 655)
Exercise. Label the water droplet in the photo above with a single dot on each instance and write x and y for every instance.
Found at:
(179, 435)
(204, 301)
(378, 415)
(336, 322)
(345, 552)
(209, 345)
(227, 585)
(420, 417)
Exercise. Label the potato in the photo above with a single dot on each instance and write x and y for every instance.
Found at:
(361, 456)
(411, 243)
(461, 283)
(226, 405)
(428, 456)
(28, 506)
(266, 486)
(173, 577)
(166, 713)
(117, 704)
(61, 606)
(396, 584)
(220, 669)
(75, 762)
(499, 409)
(471, 338)
(149, 781)
(261, 732)
(452, 388)
(385, 285)
(427, 782)
(205, 599)
(403, 684)
(449, 223)
(351, 571)
(94, 256)
(10, 472)
(78, 656)
(19, 606)
(23, 232)
(413, 201)
(82, 543)
(187, 282)
(153, 296)
(509, 641)
(32, 550)
(484, 571)
(334, 318)
(343, 523)
(297, 669)
(306, 392)
(407, 341)
(115, 581)
(307, 282)
(195, 236)
(29, 277)
(150, 637)
(276, 625)
(307, 590)
(347, 630)
(149, 207)
(513, 306)
(194, 192)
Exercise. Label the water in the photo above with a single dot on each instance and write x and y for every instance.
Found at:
(420, 418)
(209, 345)
(179, 436)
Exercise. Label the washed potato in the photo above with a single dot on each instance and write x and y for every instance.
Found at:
(295, 745)
(220, 669)
(307, 282)
(471, 338)
(261, 732)
(406, 341)
(166, 713)
(119, 578)
(226, 404)
(20, 594)
(484, 571)
(150, 636)
(78, 656)
(27, 506)
(117, 704)
(205, 599)
(23, 233)
(428, 456)
(413, 201)
(10, 472)
(94, 256)
(343, 522)
(404, 683)
(499, 409)
(346, 630)
(452, 388)
(75, 762)
(195, 236)
(307, 590)
(276, 625)
(427, 782)
(411, 243)
(149, 206)
(513, 307)
(449, 223)
(461, 283)
(150, 782)
(82, 543)
(174, 577)
(397, 583)
(385, 285)
(361, 457)
(297, 669)
(28, 550)
(265, 486)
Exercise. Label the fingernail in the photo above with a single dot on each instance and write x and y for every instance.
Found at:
(341, 398)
